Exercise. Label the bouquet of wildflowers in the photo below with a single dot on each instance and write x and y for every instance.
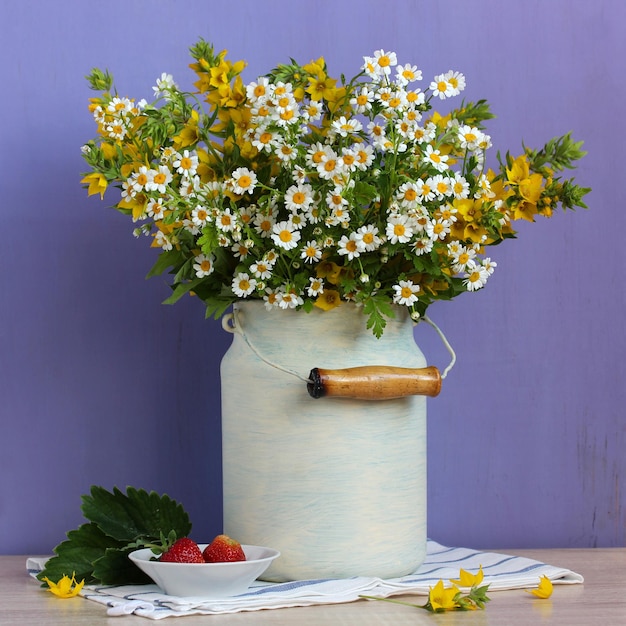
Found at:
(304, 190)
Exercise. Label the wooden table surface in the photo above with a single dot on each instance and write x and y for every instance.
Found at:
(601, 600)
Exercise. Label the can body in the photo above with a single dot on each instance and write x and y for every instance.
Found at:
(338, 485)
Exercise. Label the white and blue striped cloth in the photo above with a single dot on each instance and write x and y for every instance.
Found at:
(501, 571)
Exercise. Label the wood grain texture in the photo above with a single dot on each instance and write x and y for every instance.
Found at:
(600, 600)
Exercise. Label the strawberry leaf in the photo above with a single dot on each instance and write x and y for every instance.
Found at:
(118, 523)
(136, 515)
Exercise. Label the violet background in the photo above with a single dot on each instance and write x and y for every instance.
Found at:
(101, 384)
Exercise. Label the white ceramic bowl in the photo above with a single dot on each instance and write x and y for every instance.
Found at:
(206, 580)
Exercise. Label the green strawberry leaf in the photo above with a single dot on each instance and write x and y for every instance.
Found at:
(115, 568)
(118, 523)
(76, 554)
(136, 515)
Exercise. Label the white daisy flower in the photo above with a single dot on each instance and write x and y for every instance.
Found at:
(331, 167)
(384, 61)
(155, 209)
(159, 179)
(441, 186)
(364, 156)
(162, 240)
(407, 73)
(399, 228)
(438, 229)
(299, 197)
(316, 287)
(270, 298)
(285, 236)
(241, 249)
(200, 216)
(425, 190)
(264, 139)
(164, 84)
(460, 187)
(263, 224)
(311, 252)
(362, 100)
(344, 126)
(489, 265)
(226, 221)
(350, 246)
(368, 237)
(435, 158)
(469, 137)
(261, 270)
(243, 285)
(288, 299)
(258, 90)
(456, 80)
(141, 178)
(186, 164)
(243, 180)
(475, 276)
(422, 245)
(441, 87)
(405, 292)
(408, 194)
(203, 265)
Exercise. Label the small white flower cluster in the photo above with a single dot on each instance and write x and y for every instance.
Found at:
(323, 198)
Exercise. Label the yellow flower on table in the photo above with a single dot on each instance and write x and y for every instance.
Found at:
(66, 587)
(544, 589)
(443, 598)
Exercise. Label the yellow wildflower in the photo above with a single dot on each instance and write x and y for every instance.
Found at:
(97, 184)
(544, 589)
(442, 598)
(328, 300)
(519, 170)
(66, 587)
(321, 86)
(466, 579)
(189, 135)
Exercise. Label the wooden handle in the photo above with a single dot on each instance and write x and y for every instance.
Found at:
(374, 382)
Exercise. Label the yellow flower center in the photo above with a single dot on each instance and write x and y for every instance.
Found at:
(285, 236)
(406, 292)
(410, 194)
(398, 229)
(384, 61)
(244, 181)
(298, 197)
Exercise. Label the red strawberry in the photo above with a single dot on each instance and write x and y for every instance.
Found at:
(183, 550)
(222, 549)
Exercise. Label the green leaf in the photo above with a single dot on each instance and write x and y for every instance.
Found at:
(119, 523)
(165, 260)
(77, 553)
(137, 514)
(181, 290)
(378, 311)
(115, 568)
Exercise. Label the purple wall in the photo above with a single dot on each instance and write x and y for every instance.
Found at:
(100, 384)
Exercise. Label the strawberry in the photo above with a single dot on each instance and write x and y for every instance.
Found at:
(183, 550)
(223, 549)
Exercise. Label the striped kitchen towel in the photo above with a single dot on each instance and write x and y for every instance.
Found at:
(501, 571)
